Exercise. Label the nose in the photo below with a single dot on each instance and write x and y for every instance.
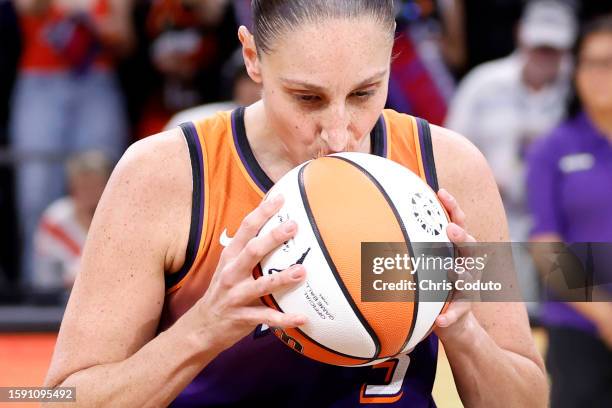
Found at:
(336, 139)
(335, 132)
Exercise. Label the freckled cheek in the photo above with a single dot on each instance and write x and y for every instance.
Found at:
(364, 117)
(303, 133)
(293, 127)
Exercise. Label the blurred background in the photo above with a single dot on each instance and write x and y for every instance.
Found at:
(80, 80)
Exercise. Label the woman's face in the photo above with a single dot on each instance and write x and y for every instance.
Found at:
(325, 85)
(594, 72)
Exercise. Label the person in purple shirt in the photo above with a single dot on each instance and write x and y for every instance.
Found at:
(569, 186)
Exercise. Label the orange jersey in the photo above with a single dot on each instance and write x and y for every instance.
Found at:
(228, 184)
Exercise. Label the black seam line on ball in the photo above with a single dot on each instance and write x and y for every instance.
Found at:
(406, 240)
(362, 359)
(332, 266)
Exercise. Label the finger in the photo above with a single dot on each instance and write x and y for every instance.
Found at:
(452, 207)
(452, 314)
(252, 223)
(258, 247)
(463, 242)
(273, 318)
(458, 235)
(251, 289)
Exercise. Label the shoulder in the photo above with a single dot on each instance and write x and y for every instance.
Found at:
(494, 73)
(161, 158)
(458, 161)
(59, 210)
(501, 68)
(150, 189)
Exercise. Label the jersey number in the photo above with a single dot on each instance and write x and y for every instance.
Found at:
(391, 389)
(388, 392)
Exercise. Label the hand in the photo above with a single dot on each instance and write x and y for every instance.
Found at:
(605, 332)
(458, 314)
(231, 307)
(598, 313)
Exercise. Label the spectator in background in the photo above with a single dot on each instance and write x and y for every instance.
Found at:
(66, 98)
(570, 196)
(505, 104)
(63, 226)
(244, 92)
(189, 40)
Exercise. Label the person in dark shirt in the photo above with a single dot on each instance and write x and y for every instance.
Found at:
(569, 179)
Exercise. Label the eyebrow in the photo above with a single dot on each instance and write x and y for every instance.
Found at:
(314, 87)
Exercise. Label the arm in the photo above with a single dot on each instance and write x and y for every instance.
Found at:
(489, 345)
(543, 197)
(598, 312)
(107, 346)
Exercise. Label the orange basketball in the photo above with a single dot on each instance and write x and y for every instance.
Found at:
(340, 202)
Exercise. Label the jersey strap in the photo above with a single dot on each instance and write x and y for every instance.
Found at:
(197, 205)
(426, 146)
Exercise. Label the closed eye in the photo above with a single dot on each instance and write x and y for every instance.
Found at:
(308, 98)
(363, 94)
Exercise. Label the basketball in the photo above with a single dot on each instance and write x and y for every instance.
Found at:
(339, 202)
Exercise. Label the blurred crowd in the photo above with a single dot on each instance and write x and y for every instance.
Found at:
(84, 76)
(82, 79)
(91, 76)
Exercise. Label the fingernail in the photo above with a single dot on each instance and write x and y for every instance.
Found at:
(443, 193)
(442, 321)
(289, 226)
(271, 198)
(300, 320)
(454, 230)
(297, 272)
(276, 198)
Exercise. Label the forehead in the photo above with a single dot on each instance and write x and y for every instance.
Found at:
(331, 51)
(597, 44)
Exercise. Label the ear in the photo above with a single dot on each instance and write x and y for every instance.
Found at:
(249, 54)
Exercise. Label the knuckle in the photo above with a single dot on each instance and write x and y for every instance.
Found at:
(243, 316)
(278, 234)
(268, 208)
(225, 280)
(233, 299)
(265, 285)
(274, 318)
(253, 250)
(272, 280)
(248, 223)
